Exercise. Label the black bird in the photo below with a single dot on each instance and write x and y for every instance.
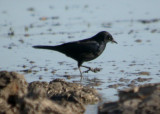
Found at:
(83, 50)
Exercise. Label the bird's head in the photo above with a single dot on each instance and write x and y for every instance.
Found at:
(105, 36)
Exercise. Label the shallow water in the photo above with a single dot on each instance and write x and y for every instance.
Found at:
(135, 25)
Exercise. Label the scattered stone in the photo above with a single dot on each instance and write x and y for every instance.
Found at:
(11, 32)
(31, 9)
(154, 30)
(40, 78)
(107, 25)
(94, 82)
(21, 41)
(43, 18)
(68, 76)
(132, 84)
(26, 35)
(124, 80)
(116, 85)
(131, 31)
(27, 71)
(53, 72)
(55, 17)
(133, 64)
(121, 70)
(142, 73)
(31, 62)
(45, 69)
(148, 40)
(138, 41)
(149, 21)
(143, 79)
(26, 28)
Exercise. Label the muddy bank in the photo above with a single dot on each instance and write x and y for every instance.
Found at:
(56, 97)
(138, 100)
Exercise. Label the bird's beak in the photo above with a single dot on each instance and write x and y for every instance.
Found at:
(113, 41)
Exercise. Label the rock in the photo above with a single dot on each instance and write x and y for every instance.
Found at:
(37, 102)
(56, 97)
(68, 95)
(151, 104)
(138, 100)
(12, 87)
(59, 89)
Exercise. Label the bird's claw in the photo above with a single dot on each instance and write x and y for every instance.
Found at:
(93, 70)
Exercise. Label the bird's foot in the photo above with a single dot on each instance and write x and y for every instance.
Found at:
(92, 69)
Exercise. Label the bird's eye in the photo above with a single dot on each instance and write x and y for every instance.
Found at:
(110, 38)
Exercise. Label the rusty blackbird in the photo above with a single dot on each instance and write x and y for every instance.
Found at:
(83, 50)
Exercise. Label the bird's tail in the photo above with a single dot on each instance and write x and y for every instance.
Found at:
(46, 47)
(58, 48)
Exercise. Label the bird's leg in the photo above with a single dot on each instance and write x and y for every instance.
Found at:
(79, 65)
(80, 71)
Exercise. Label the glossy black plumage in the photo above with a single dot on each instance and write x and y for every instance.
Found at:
(83, 50)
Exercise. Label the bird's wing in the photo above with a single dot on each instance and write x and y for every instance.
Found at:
(82, 47)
